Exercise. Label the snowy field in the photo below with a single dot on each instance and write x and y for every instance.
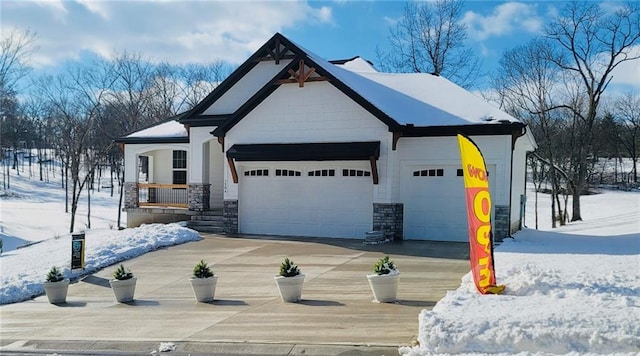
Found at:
(573, 290)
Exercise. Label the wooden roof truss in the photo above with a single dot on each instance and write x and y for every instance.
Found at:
(302, 74)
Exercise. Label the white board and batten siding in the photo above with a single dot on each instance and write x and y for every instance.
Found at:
(304, 205)
(245, 88)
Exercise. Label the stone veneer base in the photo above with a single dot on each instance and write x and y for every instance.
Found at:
(388, 218)
(230, 216)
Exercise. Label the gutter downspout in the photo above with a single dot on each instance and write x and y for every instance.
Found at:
(515, 135)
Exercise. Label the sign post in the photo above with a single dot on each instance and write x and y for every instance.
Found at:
(77, 251)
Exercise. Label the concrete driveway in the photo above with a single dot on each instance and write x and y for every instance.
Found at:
(336, 315)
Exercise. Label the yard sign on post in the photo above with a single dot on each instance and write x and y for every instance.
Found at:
(77, 251)
(476, 182)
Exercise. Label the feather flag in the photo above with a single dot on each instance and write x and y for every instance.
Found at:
(476, 182)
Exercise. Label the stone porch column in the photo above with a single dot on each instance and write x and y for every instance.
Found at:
(198, 196)
(130, 195)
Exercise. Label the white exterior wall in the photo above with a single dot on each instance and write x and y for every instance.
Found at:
(216, 174)
(518, 178)
(244, 89)
(318, 112)
(161, 158)
(206, 163)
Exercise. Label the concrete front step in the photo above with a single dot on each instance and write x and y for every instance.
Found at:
(206, 218)
(207, 221)
(210, 229)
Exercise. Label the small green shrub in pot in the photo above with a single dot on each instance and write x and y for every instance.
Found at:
(288, 268)
(289, 281)
(385, 266)
(121, 273)
(54, 275)
(56, 286)
(202, 270)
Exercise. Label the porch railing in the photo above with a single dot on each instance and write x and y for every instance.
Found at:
(173, 195)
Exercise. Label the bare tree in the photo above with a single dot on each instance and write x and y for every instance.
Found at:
(590, 44)
(75, 98)
(16, 47)
(200, 80)
(627, 110)
(430, 38)
(527, 85)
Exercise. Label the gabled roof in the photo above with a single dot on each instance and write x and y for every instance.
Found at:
(406, 103)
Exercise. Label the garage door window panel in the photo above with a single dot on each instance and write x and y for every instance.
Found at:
(355, 173)
(257, 173)
(288, 173)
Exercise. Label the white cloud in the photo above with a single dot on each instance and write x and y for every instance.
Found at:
(391, 21)
(628, 73)
(97, 7)
(505, 19)
(324, 14)
(177, 31)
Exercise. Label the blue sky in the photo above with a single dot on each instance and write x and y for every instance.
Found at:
(200, 31)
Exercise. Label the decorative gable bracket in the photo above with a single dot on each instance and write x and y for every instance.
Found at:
(278, 52)
(301, 75)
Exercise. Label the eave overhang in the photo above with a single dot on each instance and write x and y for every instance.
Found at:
(151, 140)
(506, 128)
(205, 120)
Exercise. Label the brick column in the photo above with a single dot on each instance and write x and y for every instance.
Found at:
(198, 196)
(230, 216)
(502, 223)
(130, 195)
(388, 218)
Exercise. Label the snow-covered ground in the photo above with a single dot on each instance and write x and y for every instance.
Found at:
(32, 212)
(575, 289)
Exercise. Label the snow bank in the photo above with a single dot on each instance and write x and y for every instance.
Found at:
(565, 293)
(24, 270)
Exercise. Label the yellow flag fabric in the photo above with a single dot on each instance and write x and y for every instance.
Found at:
(478, 198)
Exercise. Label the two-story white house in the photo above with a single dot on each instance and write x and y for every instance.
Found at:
(291, 144)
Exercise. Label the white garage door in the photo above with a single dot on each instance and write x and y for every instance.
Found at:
(305, 202)
(434, 202)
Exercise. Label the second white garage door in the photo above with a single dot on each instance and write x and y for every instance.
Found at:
(319, 202)
(434, 202)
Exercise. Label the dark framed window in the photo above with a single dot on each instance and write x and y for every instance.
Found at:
(179, 177)
(179, 159)
(287, 173)
(257, 173)
(179, 163)
(355, 173)
(322, 173)
(433, 172)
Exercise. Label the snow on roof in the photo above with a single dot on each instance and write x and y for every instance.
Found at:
(167, 129)
(444, 94)
(416, 98)
(358, 64)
